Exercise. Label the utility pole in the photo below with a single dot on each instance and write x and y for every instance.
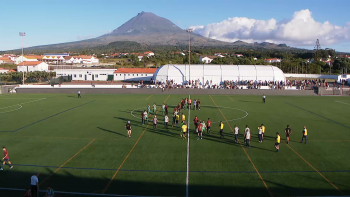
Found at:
(22, 34)
(317, 48)
(189, 54)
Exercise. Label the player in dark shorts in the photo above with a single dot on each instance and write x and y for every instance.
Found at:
(166, 109)
(288, 132)
(278, 141)
(195, 121)
(264, 98)
(208, 126)
(221, 125)
(200, 129)
(6, 158)
(199, 104)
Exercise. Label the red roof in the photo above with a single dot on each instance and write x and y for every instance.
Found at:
(3, 69)
(34, 63)
(136, 70)
(148, 52)
(4, 58)
(33, 56)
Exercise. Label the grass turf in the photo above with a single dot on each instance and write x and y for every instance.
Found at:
(79, 145)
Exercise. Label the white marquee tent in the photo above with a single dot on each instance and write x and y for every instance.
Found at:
(218, 73)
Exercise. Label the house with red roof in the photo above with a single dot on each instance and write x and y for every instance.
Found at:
(148, 53)
(6, 60)
(134, 74)
(28, 58)
(32, 66)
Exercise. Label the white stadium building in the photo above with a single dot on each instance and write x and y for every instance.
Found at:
(180, 74)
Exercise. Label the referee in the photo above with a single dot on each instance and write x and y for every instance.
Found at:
(34, 185)
(264, 98)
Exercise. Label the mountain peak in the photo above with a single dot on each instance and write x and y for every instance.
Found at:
(146, 23)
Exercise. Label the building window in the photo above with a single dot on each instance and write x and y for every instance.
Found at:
(133, 74)
(80, 76)
(137, 74)
(124, 74)
(120, 75)
(96, 75)
(145, 74)
(75, 75)
(128, 74)
(141, 74)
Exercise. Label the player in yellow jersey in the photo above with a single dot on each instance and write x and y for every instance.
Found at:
(184, 130)
(177, 118)
(221, 125)
(304, 135)
(263, 131)
(278, 141)
(183, 117)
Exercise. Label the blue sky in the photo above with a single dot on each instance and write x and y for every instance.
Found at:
(57, 21)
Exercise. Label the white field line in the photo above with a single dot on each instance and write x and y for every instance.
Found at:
(342, 103)
(72, 193)
(188, 148)
(20, 105)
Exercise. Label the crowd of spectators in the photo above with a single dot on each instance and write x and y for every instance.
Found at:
(306, 84)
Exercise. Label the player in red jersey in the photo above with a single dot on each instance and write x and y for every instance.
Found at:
(6, 159)
(195, 121)
(208, 126)
(200, 129)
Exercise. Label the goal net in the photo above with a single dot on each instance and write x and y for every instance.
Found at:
(331, 91)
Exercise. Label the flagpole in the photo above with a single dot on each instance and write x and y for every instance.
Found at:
(22, 34)
(22, 61)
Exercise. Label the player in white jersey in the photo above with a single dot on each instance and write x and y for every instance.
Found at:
(260, 134)
(264, 98)
(247, 136)
(236, 133)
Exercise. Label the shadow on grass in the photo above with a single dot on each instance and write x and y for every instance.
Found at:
(246, 101)
(111, 131)
(155, 184)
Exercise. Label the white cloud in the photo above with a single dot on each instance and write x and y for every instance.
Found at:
(301, 29)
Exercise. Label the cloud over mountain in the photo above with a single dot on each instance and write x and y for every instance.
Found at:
(301, 29)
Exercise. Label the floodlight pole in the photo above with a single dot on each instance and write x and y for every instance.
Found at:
(189, 55)
(22, 34)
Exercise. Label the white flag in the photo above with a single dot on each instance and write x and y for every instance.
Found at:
(22, 34)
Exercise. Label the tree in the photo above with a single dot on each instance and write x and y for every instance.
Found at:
(5, 77)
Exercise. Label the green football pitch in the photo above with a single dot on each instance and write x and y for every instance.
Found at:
(80, 147)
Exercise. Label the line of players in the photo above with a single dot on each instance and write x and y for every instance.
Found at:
(201, 126)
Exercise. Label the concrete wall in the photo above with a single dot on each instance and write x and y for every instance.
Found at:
(159, 91)
(311, 76)
(5, 89)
